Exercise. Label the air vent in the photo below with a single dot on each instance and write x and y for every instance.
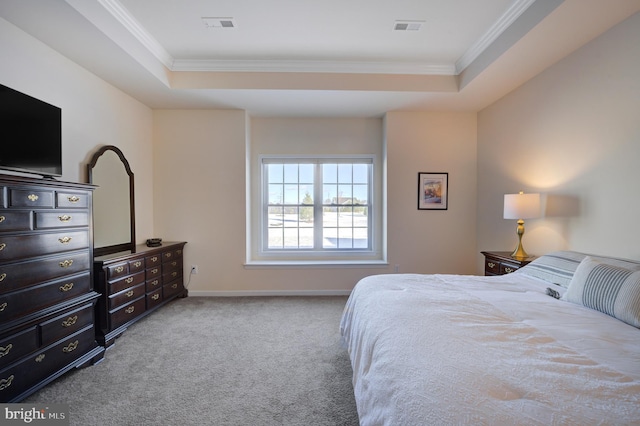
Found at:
(408, 25)
(219, 22)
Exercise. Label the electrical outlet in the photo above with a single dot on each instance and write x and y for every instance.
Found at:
(396, 268)
(194, 269)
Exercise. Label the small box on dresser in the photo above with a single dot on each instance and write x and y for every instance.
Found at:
(134, 284)
(47, 300)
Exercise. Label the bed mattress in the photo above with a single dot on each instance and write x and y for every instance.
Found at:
(471, 350)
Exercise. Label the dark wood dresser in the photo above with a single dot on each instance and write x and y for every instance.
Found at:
(501, 262)
(134, 284)
(46, 288)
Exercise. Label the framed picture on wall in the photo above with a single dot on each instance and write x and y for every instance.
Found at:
(433, 191)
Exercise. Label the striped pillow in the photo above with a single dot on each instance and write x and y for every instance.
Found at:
(611, 289)
(556, 267)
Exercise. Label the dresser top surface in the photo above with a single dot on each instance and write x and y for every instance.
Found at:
(140, 250)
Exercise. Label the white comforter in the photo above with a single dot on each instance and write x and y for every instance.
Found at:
(467, 350)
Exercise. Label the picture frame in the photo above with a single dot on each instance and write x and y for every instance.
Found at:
(433, 191)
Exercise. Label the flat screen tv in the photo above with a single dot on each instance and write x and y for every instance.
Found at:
(30, 134)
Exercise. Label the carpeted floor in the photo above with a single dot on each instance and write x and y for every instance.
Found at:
(219, 361)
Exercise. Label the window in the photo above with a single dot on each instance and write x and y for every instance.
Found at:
(317, 205)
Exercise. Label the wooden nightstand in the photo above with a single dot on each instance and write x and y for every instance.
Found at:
(501, 262)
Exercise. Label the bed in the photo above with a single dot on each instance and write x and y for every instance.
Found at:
(472, 350)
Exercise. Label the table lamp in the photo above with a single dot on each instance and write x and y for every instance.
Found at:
(521, 206)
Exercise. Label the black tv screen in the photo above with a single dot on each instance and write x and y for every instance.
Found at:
(30, 134)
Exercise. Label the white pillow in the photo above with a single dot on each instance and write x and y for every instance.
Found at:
(611, 289)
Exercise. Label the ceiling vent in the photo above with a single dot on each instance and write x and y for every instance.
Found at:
(407, 25)
(219, 22)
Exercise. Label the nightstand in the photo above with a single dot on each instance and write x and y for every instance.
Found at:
(501, 262)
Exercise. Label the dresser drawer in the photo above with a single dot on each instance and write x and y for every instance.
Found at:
(23, 375)
(24, 274)
(15, 221)
(127, 312)
(170, 276)
(22, 302)
(23, 246)
(171, 289)
(118, 270)
(124, 283)
(154, 298)
(153, 284)
(66, 324)
(136, 265)
(154, 260)
(172, 265)
(126, 296)
(17, 345)
(492, 267)
(30, 198)
(77, 200)
(60, 219)
(168, 256)
(153, 273)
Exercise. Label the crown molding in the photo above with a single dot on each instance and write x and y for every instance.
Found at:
(517, 8)
(122, 15)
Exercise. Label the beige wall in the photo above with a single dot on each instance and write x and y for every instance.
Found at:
(94, 113)
(431, 241)
(200, 197)
(572, 133)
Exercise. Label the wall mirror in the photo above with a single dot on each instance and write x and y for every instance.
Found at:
(113, 202)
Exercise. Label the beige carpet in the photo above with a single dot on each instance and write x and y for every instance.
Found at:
(219, 361)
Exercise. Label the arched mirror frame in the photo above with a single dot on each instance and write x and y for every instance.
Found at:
(131, 244)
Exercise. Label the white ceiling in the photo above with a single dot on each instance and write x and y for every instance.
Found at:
(316, 58)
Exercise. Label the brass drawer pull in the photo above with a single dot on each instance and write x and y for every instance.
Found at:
(5, 350)
(3, 306)
(174, 286)
(154, 259)
(65, 240)
(137, 264)
(179, 251)
(70, 347)
(119, 269)
(130, 293)
(70, 321)
(40, 358)
(2, 246)
(491, 265)
(129, 280)
(174, 263)
(66, 287)
(5, 383)
(509, 270)
(64, 218)
(2, 219)
(154, 282)
(32, 197)
(154, 271)
(73, 198)
(66, 263)
(130, 309)
(174, 274)
(167, 255)
(155, 296)
(2, 277)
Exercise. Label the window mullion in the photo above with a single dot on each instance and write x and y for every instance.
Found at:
(317, 207)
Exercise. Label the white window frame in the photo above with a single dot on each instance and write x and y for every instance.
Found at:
(317, 255)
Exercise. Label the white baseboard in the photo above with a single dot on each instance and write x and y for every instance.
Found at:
(196, 293)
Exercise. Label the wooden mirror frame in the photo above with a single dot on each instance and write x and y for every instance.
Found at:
(131, 244)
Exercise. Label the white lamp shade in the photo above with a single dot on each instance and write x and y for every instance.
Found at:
(521, 206)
